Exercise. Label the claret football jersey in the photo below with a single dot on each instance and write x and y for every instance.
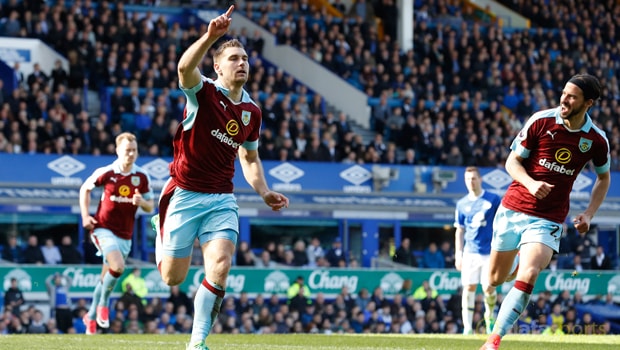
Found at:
(554, 154)
(116, 211)
(209, 137)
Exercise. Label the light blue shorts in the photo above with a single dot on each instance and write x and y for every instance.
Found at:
(205, 216)
(107, 242)
(511, 229)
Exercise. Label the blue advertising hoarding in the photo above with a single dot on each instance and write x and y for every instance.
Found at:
(44, 182)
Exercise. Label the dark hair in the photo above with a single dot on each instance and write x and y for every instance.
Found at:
(589, 84)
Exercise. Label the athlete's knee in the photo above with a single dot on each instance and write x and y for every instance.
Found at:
(221, 264)
(529, 274)
(170, 273)
(171, 279)
(495, 279)
(117, 268)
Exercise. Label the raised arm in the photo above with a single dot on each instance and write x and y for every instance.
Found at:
(189, 74)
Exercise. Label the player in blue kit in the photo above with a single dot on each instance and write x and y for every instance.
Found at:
(473, 219)
(220, 123)
(547, 156)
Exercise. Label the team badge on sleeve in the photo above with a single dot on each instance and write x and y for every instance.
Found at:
(245, 117)
(584, 145)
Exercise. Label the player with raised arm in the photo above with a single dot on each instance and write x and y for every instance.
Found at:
(220, 123)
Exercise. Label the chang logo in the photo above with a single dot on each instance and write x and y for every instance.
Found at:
(24, 280)
(613, 286)
(276, 282)
(563, 155)
(391, 283)
(155, 284)
(232, 127)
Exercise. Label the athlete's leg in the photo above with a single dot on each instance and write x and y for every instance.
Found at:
(217, 254)
(116, 266)
(500, 266)
(471, 270)
(115, 251)
(468, 304)
(490, 295)
(177, 225)
(534, 258)
(92, 311)
(490, 299)
(89, 318)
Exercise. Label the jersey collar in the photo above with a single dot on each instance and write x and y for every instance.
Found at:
(225, 91)
(117, 168)
(585, 127)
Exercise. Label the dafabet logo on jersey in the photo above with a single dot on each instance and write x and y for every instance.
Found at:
(562, 156)
(232, 129)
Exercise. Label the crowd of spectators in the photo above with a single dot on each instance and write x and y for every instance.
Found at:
(31, 252)
(577, 252)
(457, 98)
(416, 311)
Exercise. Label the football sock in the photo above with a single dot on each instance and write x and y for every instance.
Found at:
(207, 303)
(92, 311)
(513, 305)
(469, 303)
(489, 305)
(109, 281)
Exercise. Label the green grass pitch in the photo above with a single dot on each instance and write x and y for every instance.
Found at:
(306, 341)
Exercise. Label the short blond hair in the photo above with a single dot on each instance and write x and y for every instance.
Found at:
(125, 136)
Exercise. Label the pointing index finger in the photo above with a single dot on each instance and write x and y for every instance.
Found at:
(230, 11)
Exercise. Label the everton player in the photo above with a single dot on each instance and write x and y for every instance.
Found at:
(473, 219)
(546, 158)
(220, 123)
(125, 187)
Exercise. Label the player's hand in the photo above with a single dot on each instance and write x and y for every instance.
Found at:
(89, 222)
(275, 200)
(220, 24)
(540, 189)
(458, 263)
(582, 223)
(137, 198)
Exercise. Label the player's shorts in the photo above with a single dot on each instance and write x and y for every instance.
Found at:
(107, 242)
(475, 269)
(187, 215)
(511, 229)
